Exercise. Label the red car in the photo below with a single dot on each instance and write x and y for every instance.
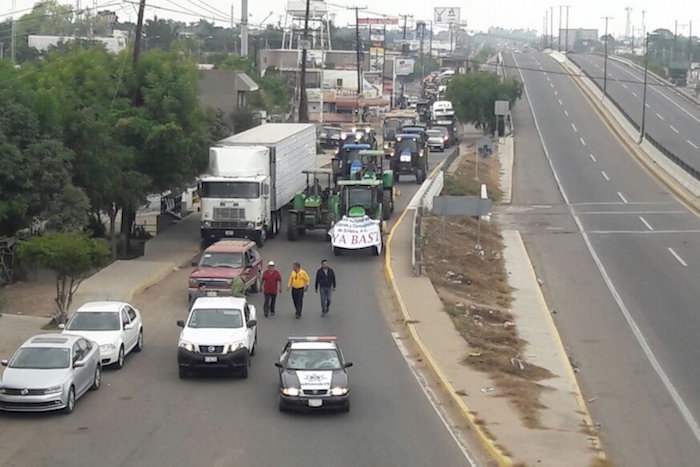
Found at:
(222, 262)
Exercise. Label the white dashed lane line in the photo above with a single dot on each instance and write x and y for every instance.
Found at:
(566, 113)
(659, 115)
(605, 176)
(622, 197)
(677, 256)
(691, 143)
(551, 85)
(634, 94)
(582, 141)
(647, 106)
(559, 100)
(624, 85)
(592, 157)
(646, 224)
(573, 127)
(556, 93)
(673, 128)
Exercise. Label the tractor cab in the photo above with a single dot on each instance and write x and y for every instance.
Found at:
(361, 197)
(371, 169)
(347, 161)
(314, 208)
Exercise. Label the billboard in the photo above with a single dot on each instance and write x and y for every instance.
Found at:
(388, 21)
(376, 58)
(376, 34)
(446, 15)
(403, 66)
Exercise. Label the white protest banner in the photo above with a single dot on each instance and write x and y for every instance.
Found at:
(353, 233)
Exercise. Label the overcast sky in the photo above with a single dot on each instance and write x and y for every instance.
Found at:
(479, 15)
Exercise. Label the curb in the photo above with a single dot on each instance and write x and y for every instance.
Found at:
(489, 445)
(595, 440)
(151, 281)
(642, 159)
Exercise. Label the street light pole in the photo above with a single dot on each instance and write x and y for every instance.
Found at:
(566, 45)
(551, 27)
(605, 66)
(559, 35)
(644, 94)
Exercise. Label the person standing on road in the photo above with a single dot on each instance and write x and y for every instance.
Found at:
(238, 287)
(200, 292)
(298, 283)
(325, 281)
(272, 285)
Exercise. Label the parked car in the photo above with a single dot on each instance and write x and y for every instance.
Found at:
(220, 332)
(116, 327)
(222, 262)
(50, 372)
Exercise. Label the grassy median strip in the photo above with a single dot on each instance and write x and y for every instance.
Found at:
(473, 287)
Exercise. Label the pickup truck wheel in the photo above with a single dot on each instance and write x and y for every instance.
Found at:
(182, 373)
(337, 251)
(244, 371)
(282, 407)
(255, 342)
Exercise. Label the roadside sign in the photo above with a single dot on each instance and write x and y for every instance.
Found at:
(461, 206)
(387, 21)
(447, 15)
(501, 108)
(403, 66)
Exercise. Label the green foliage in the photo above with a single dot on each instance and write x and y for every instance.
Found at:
(71, 256)
(473, 97)
(484, 54)
(235, 62)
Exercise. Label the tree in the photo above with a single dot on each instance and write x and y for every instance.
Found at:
(474, 96)
(71, 256)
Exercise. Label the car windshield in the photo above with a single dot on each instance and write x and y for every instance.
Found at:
(313, 359)
(229, 318)
(234, 190)
(434, 134)
(41, 358)
(220, 259)
(360, 196)
(407, 145)
(94, 321)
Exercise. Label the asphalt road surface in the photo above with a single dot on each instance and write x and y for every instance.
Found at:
(145, 416)
(670, 119)
(615, 241)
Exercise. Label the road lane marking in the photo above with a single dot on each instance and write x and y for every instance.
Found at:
(659, 115)
(551, 85)
(548, 78)
(545, 73)
(582, 141)
(647, 106)
(634, 94)
(556, 93)
(605, 176)
(617, 213)
(566, 113)
(677, 256)
(691, 143)
(559, 100)
(592, 157)
(432, 398)
(673, 128)
(647, 224)
(639, 336)
(574, 128)
(624, 200)
(624, 85)
(646, 232)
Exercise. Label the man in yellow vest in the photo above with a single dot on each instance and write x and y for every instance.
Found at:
(298, 284)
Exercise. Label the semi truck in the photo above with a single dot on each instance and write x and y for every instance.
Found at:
(251, 177)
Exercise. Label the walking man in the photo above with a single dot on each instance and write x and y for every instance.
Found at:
(298, 283)
(272, 285)
(325, 281)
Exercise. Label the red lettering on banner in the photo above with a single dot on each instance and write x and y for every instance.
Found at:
(353, 240)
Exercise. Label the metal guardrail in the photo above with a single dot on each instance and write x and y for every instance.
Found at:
(665, 151)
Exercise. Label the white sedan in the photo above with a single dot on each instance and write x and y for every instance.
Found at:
(115, 326)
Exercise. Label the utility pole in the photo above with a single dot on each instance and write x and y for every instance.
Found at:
(566, 45)
(358, 57)
(303, 104)
(137, 44)
(546, 28)
(430, 45)
(551, 27)
(644, 95)
(605, 66)
(405, 17)
(420, 27)
(244, 28)
(13, 41)
(544, 31)
(559, 35)
(690, 45)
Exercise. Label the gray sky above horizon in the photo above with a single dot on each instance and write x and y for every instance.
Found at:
(480, 16)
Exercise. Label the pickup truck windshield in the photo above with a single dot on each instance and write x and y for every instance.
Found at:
(240, 190)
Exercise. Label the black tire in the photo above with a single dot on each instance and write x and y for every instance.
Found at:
(139, 342)
(97, 379)
(280, 405)
(255, 342)
(261, 237)
(397, 176)
(346, 407)
(336, 251)
(375, 251)
(292, 227)
(70, 405)
(119, 364)
(420, 175)
(386, 205)
(244, 370)
(182, 373)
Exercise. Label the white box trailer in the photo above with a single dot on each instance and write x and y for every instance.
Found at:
(252, 176)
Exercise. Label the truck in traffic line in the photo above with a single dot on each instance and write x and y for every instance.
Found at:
(251, 177)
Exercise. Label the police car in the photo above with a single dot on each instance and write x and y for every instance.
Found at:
(313, 374)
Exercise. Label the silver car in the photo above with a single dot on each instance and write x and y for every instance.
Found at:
(50, 372)
(436, 140)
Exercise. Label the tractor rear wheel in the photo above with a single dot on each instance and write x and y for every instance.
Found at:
(292, 227)
(420, 175)
(386, 205)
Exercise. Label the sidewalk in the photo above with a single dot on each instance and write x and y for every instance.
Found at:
(15, 329)
(165, 252)
(563, 440)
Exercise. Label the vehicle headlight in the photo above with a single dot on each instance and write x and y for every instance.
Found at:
(251, 225)
(206, 224)
(187, 346)
(54, 389)
(192, 282)
(236, 346)
(386, 145)
(290, 391)
(2, 390)
(106, 348)
(339, 391)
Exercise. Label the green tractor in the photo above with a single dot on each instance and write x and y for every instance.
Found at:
(315, 207)
(372, 168)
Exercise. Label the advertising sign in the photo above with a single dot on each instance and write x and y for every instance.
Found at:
(447, 15)
(376, 34)
(376, 58)
(353, 233)
(403, 66)
(387, 21)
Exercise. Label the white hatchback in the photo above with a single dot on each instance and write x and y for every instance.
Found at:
(115, 326)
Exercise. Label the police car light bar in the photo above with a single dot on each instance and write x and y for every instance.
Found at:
(312, 339)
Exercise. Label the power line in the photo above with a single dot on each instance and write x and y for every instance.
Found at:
(212, 9)
(226, 20)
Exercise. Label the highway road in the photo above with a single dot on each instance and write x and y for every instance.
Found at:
(145, 416)
(670, 119)
(620, 261)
